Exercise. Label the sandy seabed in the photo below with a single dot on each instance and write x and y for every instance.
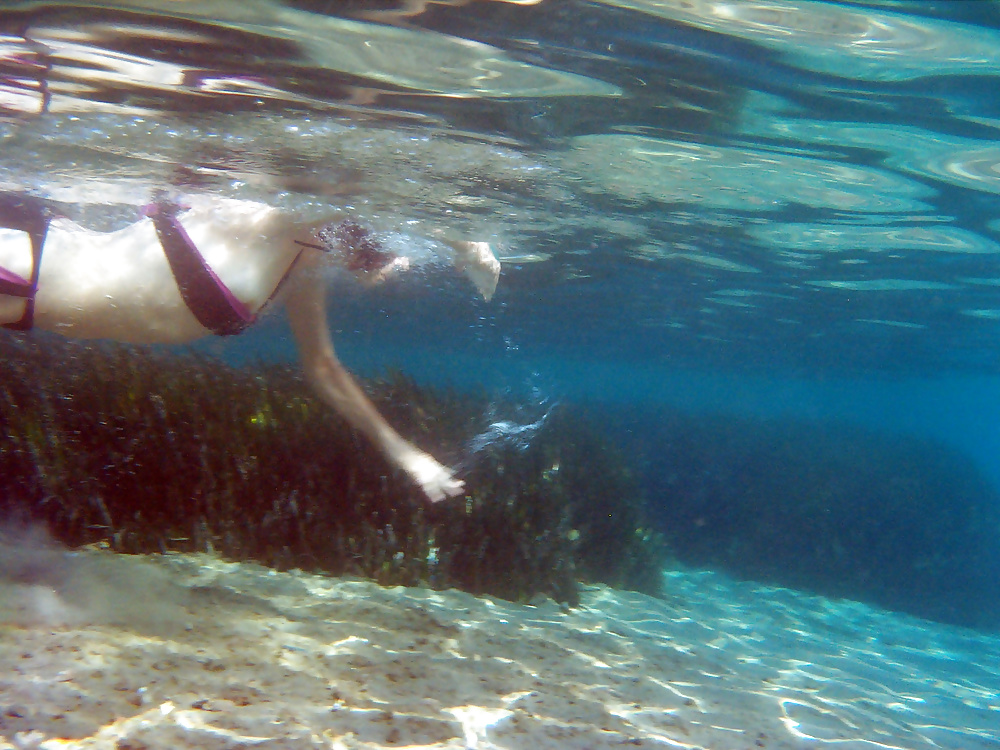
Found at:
(185, 651)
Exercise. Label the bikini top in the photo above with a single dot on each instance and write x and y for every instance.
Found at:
(205, 294)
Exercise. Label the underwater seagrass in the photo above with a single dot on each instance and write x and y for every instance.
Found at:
(150, 452)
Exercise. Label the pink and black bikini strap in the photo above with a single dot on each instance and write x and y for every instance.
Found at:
(205, 294)
(31, 215)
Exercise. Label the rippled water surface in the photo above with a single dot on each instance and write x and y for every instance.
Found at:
(804, 184)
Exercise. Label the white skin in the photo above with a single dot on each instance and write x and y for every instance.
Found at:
(118, 285)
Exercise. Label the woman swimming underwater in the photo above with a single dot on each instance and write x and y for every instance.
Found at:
(209, 265)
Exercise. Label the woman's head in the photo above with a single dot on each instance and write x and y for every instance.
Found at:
(361, 251)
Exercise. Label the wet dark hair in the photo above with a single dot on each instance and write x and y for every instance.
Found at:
(362, 252)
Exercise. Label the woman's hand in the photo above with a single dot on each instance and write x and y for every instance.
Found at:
(438, 482)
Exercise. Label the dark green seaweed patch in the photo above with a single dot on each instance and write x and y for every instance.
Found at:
(151, 452)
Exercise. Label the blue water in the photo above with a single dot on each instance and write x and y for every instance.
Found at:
(787, 211)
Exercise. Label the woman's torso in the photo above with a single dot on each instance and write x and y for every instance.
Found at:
(120, 285)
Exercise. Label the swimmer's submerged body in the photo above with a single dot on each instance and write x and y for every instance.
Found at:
(209, 266)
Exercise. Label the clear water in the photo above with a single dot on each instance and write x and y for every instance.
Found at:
(770, 208)
(780, 209)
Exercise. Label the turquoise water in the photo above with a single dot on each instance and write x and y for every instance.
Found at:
(787, 211)
(756, 242)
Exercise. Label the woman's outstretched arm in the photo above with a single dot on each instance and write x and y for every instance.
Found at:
(306, 305)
